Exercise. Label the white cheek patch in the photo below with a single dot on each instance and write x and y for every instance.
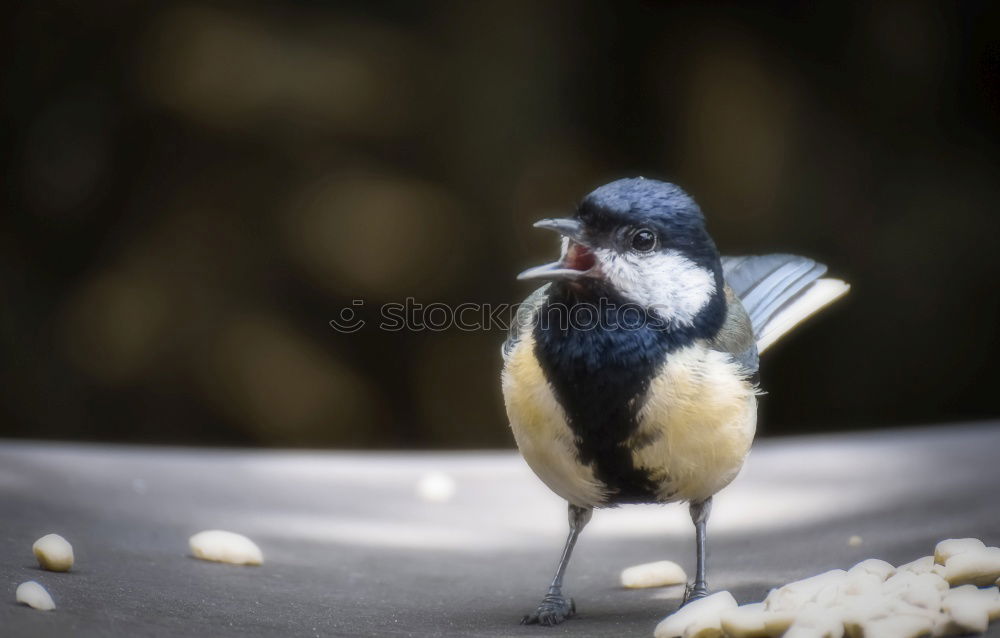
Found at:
(668, 283)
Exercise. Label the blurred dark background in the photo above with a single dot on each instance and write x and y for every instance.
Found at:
(191, 191)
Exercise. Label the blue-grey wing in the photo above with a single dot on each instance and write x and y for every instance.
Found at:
(765, 283)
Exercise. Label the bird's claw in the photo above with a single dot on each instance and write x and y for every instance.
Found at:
(553, 610)
(693, 592)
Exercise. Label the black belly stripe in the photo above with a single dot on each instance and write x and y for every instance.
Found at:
(600, 362)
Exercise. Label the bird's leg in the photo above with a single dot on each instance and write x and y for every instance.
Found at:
(699, 515)
(554, 608)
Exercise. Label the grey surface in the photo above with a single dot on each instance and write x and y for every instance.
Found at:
(352, 551)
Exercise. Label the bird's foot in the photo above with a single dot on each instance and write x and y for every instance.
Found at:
(693, 592)
(553, 610)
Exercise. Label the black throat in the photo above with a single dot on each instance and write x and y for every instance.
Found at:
(600, 353)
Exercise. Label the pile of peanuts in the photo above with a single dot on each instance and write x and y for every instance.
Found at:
(950, 593)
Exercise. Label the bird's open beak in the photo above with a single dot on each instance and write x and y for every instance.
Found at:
(577, 261)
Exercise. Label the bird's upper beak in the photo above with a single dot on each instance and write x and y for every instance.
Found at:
(577, 261)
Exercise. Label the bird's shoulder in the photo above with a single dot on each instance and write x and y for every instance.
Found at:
(736, 336)
(523, 319)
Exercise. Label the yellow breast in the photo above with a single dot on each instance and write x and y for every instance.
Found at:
(696, 425)
(541, 431)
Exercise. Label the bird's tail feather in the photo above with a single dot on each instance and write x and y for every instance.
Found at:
(780, 291)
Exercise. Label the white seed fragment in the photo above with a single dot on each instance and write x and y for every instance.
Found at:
(954, 546)
(751, 621)
(979, 568)
(816, 621)
(225, 547)
(34, 595)
(923, 593)
(699, 630)
(857, 611)
(662, 573)
(922, 565)
(898, 626)
(829, 594)
(859, 583)
(986, 599)
(54, 553)
(968, 610)
(436, 487)
(855, 541)
(874, 566)
(935, 579)
(903, 608)
(793, 596)
(776, 623)
(899, 582)
(697, 619)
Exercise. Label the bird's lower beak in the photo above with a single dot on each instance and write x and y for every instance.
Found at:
(577, 261)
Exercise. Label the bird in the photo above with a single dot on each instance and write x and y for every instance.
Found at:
(632, 374)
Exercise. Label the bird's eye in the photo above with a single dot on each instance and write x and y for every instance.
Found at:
(643, 240)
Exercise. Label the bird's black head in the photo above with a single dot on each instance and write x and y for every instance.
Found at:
(646, 240)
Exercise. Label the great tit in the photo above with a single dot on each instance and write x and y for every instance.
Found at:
(631, 376)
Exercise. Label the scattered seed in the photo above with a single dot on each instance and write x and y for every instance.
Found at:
(662, 573)
(954, 546)
(225, 547)
(34, 595)
(54, 553)
(697, 618)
